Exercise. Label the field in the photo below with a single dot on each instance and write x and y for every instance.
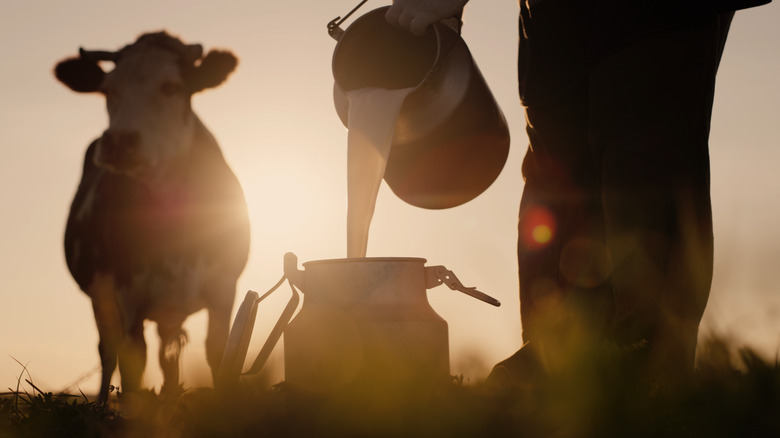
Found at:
(731, 396)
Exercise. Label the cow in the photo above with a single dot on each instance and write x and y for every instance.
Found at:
(158, 228)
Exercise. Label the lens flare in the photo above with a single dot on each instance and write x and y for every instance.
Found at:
(541, 234)
(537, 227)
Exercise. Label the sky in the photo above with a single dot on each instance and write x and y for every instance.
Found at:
(275, 120)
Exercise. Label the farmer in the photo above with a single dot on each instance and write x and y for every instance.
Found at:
(615, 228)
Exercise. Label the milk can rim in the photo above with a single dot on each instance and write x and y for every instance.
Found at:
(365, 260)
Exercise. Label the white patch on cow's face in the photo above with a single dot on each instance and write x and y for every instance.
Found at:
(150, 118)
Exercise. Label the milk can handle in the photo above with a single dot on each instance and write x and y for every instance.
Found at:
(238, 340)
(436, 275)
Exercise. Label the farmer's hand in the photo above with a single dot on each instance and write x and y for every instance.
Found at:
(416, 15)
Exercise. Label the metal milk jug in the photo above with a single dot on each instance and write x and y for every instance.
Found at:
(364, 322)
(451, 139)
(364, 319)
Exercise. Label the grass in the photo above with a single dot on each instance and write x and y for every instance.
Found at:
(730, 396)
(43, 414)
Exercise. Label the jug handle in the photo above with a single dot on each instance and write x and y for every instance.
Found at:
(333, 26)
(436, 275)
(238, 341)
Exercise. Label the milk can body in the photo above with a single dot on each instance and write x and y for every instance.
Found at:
(365, 321)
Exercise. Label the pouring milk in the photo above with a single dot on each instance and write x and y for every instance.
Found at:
(372, 117)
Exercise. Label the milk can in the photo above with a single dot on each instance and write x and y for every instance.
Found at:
(364, 321)
(451, 139)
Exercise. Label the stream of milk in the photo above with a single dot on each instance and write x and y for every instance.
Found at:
(372, 117)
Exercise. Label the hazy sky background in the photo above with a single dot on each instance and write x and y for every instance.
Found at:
(275, 121)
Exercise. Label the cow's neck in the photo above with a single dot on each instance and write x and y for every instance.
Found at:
(185, 174)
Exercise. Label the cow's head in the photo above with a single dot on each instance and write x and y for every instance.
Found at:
(147, 95)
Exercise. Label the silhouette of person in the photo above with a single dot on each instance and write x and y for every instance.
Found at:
(615, 225)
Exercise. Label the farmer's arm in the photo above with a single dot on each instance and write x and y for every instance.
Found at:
(416, 15)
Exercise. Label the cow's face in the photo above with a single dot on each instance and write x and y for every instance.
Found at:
(147, 95)
(150, 120)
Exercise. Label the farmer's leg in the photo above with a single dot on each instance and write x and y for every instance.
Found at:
(650, 107)
(562, 256)
(564, 293)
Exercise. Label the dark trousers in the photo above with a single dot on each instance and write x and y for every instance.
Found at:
(615, 229)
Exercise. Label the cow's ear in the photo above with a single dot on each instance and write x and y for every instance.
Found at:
(212, 71)
(80, 74)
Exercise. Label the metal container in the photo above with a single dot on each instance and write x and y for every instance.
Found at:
(451, 139)
(364, 322)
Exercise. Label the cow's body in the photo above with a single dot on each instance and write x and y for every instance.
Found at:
(155, 238)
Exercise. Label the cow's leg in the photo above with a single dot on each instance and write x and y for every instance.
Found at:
(132, 357)
(109, 324)
(219, 327)
(172, 339)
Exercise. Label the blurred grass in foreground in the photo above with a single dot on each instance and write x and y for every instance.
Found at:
(732, 395)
